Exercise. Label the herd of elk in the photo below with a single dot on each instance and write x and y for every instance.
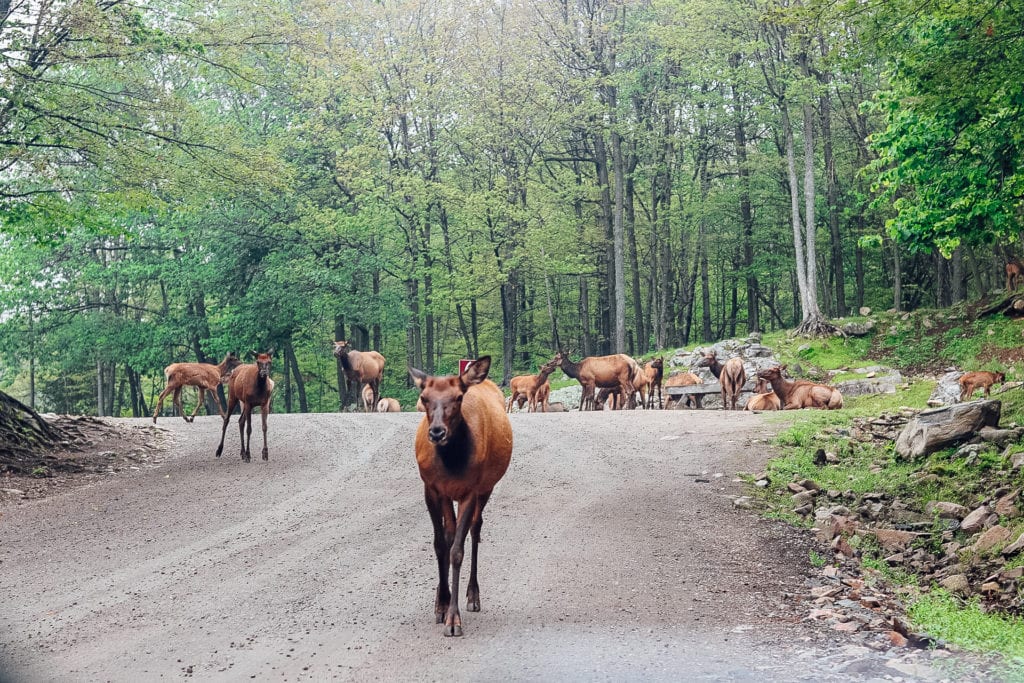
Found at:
(204, 376)
(731, 376)
(463, 447)
(533, 390)
(361, 367)
(249, 386)
(972, 381)
(794, 394)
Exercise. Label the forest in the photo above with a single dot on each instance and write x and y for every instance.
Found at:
(442, 179)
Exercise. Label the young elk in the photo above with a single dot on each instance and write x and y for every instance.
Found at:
(801, 393)
(684, 379)
(204, 376)
(655, 371)
(972, 381)
(600, 372)
(389, 405)
(463, 447)
(763, 398)
(251, 386)
(368, 402)
(731, 376)
(1014, 274)
(541, 389)
(361, 367)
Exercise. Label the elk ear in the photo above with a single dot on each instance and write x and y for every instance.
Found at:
(252, 354)
(270, 351)
(419, 377)
(477, 371)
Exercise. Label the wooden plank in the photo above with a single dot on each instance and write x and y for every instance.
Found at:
(703, 389)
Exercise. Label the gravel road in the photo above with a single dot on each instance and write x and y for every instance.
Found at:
(611, 551)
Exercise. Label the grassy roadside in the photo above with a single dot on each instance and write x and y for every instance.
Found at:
(923, 343)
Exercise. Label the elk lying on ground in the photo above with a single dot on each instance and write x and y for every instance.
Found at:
(764, 397)
(972, 381)
(361, 367)
(600, 372)
(795, 394)
(1014, 274)
(731, 376)
(250, 386)
(204, 376)
(684, 379)
(389, 405)
(463, 447)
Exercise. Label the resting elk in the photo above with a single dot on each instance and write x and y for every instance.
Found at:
(972, 381)
(684, 379)
(389, 405)
(600, 372)
(1014, 274)
(463, 447)
(204, 376)
(250, 386)
(794, 394)
(764, 398)
(731, 376)
(361, 367)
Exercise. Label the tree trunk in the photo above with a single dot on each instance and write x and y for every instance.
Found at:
(300, 384)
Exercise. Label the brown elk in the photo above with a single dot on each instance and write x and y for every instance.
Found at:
(731, 376)
(972, 381)
(463, 447)
(600, 372)
(795, 394)
(541, 390)
(368, 402)
(204, 376)
(389, 405)
(764, 397)
(250, 386)
(655, 371)
(361, 367)
(525, 387)
(684, 379)
(1014, 274)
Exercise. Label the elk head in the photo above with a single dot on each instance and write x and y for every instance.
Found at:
(772, 374)
(341, 348)
(230, 362)
(708, 360)
(658, 362)
(442, 398)
(263, 362)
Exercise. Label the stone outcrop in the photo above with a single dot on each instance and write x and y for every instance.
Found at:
(938, 428)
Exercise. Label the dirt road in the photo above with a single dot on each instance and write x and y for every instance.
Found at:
(611, 551)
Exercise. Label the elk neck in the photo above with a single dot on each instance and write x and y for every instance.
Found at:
(454, 455)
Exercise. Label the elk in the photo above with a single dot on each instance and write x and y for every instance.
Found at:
(655, 371)
(389, 405)
(795, 394)
(361, 367)
(600, 372)
(204, 376)
(525, 387)
(251, 386)
(764, 398)
(731, 376)
(463, 447)
(684, 379)
(367, 394)
(1014, 274)
(972, 381)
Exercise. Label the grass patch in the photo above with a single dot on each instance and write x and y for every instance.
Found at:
(941, 615)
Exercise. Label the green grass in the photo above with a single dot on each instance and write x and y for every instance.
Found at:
(942, 616)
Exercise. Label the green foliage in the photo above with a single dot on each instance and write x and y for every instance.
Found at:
(966, 625)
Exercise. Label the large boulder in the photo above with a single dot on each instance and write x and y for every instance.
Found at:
(875, 385)
(858, 329)
(938, 428)
(947, 390)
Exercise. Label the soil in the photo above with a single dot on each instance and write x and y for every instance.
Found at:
(612, 549)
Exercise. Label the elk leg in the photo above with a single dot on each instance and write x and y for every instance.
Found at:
(160, 401)
(224, 426)
(200, 399)
(177, 404)
(245, 419)
(473, 589)
(442, 544)
(467, 511)
(264, 412)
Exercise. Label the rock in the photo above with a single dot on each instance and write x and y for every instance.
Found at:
(744, 503)
(809, 485)
(872, 384)
(975, 521)
(957, 583)
(947, 390)
(761, 483)
(795, 487)
(803, 510)
(831, 457)
(991, 587)
(864, 311)
(858, 329)
(893, 539)
(1000, 437)
(803, 498)
(990, 539)
(1018, 461)
(1007, 505)
(1014, 547)
(946, 510)
(937, 428)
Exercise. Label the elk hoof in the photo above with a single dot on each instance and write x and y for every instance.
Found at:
(453, 629)
(219, 450)
(190, 420)
(266, 456)
(473, 601)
